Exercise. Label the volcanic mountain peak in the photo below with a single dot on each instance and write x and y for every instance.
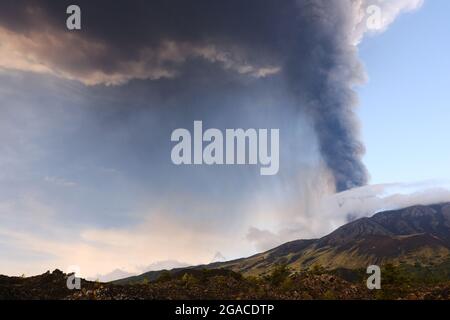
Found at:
(418, 234)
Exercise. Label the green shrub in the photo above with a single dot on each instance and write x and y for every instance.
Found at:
(279, 274)
(164, 276)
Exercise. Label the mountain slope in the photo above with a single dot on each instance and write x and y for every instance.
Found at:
(419, 234)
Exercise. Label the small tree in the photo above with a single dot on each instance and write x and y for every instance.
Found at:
(318, 269)
(279, 274)
(189, 280)
(164, 276)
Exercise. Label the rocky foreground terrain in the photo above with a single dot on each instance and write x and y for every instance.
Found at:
(216, 284)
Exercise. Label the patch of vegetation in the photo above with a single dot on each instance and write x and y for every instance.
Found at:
(279, 275)
(164, 276)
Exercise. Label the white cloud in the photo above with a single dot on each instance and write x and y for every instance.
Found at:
(158, 238)
(60, 181)
(331, 211)
(376, 15)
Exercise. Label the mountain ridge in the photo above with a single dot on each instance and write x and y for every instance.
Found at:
(417, 234)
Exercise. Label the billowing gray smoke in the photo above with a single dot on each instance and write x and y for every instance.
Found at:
(309, 44)
(322, 68)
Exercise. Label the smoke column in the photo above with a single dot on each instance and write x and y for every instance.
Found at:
(312, 45)
(322, 73)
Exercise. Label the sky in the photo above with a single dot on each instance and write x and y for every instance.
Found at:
(86, 177)
(405, 105)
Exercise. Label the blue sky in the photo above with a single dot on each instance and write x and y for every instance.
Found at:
(405, 106)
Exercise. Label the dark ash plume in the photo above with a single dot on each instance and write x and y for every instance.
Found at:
(323, 68)
(307, 43)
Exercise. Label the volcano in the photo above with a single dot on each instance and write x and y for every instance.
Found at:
(418, 235)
